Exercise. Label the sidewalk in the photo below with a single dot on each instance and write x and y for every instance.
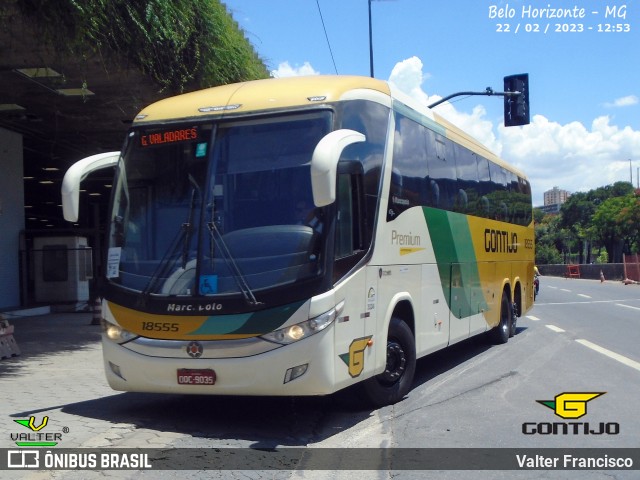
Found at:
(49, 334)
(59, 369)
(60, 375)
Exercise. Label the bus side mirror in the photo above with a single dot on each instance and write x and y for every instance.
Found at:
(324, 164)
(78, 172)
(516, 107)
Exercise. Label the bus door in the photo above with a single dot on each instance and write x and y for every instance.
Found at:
(432, 326)
(467, 301)
(351, 342)
(458, 303)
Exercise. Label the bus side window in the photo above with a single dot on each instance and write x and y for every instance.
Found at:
(350, 243)
(442, 170)
(467, 175)
(344, 225)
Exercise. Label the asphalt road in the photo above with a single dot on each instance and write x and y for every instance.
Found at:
(582, 336)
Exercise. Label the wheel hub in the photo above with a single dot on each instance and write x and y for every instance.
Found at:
(396, 364)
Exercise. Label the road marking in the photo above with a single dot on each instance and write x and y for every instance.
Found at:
(565, 290)
(552, 288)
(627, 306)
(616, 356)
(583, 295)
(585, 303)
(554, 328)
(531, 317)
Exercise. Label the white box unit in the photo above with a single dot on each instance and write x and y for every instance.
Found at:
(63, 268)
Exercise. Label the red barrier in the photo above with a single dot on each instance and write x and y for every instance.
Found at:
(632, 267)
(573, 271)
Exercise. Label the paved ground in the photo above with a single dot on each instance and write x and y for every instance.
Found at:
(59, 374)
(59, 367)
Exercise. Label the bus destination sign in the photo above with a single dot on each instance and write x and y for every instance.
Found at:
(168, 136)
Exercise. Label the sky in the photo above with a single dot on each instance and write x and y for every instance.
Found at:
(584, 70)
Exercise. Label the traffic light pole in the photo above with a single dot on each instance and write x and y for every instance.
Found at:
(516, 99)
(489, 92)
(370, 42)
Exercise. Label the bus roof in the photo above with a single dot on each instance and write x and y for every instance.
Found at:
(258, 95)
(291, 92)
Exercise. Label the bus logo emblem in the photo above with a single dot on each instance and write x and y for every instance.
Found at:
(355, 358)
(195, 349)
(570, 404)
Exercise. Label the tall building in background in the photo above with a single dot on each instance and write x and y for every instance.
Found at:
(553, 199)
(555, 195)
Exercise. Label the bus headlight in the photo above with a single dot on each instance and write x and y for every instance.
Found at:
(293, 333)
(115, 332)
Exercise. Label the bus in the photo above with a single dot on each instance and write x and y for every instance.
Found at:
(297, 236)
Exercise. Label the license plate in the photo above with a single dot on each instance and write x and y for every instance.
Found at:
(196, 376)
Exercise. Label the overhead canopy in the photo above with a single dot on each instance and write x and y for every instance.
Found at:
(71, 100)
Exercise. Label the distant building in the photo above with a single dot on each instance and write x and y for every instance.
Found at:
(555, 196)
(551, 209)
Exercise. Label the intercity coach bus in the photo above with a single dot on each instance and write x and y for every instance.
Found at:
(297, 236)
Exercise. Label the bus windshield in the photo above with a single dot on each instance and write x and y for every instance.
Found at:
(218, 209)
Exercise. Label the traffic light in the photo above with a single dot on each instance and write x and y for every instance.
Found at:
(516, 107)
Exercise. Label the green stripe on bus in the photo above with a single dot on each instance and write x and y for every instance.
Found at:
(456, 260)
(256, 323)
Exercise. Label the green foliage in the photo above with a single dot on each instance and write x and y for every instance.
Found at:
(179, 42)
(616, 222)
(604, 218)
(603, 257)
(547, 255)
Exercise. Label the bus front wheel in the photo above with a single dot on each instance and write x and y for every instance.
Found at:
(395, 382)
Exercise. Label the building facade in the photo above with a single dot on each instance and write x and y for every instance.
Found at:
(555, 196)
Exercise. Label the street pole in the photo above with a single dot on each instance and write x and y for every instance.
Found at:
(370, 42)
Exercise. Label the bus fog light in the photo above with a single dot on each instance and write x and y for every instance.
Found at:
(295, 372)
(116, 370)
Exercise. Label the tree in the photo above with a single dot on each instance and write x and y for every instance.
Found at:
(616, 224)
(576, 214)
(550, 240)
(628, 219)
(607, 217)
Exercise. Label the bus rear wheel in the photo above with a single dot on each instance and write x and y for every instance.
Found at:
(500, 334)
(395, 382)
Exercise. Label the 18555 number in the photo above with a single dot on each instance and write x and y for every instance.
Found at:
(160, 327)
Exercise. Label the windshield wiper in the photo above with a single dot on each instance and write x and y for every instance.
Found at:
(184, 234)
(187, 227)
(240, 279)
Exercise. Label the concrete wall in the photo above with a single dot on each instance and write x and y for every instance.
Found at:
(11, 216)
(611, 271)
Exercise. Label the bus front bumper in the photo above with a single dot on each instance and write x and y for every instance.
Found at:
(262, 374)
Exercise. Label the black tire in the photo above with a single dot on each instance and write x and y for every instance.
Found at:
(500, 333)
(394, 383)
(514, 320)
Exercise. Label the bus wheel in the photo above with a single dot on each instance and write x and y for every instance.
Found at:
(395, 382)
(500, 334)
(514, 320)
